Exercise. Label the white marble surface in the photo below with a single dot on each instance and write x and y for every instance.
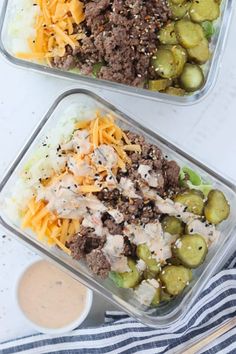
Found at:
(206, 130)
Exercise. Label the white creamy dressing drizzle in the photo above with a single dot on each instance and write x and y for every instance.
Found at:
(141, 265)
(79, 142)
(197, 226)
(105, 156)
(117, 215)
(79, 168)
(145, 292)
(154, 283)
(168, 206)
(150, 178)
(94, 220)
(149, 193)
(127, 188)
(209, 232)
(178, 243)
(63, 198)
(111, 180)
(113, 250)
(158, 242)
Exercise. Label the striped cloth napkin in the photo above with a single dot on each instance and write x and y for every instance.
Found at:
(122, 334)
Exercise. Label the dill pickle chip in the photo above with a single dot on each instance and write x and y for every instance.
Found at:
(178, 11)
(144, 253)
(163, 62)
(180, 55)
(172, 225)
(191, 250)
(157, 297)
(148, 274)
(192, 78)
(167, 34)
(204, 10)
(193, 199)
(217, 207)
(201, 53)
(158, 85)
(174, 260)
(165, 297)
(126, 279)
(175, 91)
(189, 34)
(175, 279)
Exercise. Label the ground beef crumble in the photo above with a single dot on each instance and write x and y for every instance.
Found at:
(98, 263)
(84, 242)
(166, 171)
(120, 34)
(141, 210)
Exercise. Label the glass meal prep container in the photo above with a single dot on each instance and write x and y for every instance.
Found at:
(11, 7)
(84, 105)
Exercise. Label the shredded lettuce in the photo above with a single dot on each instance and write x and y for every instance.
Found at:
(208, 29)
(193, 176)
(193, 181)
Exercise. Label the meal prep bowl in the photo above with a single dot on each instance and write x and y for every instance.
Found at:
(11, 7)
(83, 104)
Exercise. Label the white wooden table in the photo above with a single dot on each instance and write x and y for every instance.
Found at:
(206, 130)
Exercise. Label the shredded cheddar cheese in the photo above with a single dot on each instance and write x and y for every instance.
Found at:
(54, 28)
(48, 226)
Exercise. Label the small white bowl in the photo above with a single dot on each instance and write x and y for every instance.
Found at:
(55, 331)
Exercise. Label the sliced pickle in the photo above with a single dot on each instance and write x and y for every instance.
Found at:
(158, 85)
(175, 91)
(201, 53)
(175, 279)
(180, 10)
(144, 253)
(192, 78)
(204, 10)
(167, 34)
(163, 63)
(217, 207)
(180, 56)
(193, 199)
(148, 274)
(172, 225)
(126, 279)
(189, 34)
(165, 297)
(191, 250)
(157, 297)
(173, 260)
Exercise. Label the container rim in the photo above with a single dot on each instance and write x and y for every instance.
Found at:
(176, 314)
(126, 89)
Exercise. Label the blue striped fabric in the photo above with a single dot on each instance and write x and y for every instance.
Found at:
(122, 334)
